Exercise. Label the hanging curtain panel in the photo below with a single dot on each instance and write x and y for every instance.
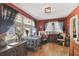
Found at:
(58, 27)
(8, 16)
(0, 14)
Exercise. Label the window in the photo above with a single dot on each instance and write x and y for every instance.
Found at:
(54, 27)
(19, 18)
(32, 23)
(27, 21)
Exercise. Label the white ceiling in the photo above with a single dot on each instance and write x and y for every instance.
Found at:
(58, 9)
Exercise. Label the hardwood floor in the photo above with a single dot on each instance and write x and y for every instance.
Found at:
(50, 49)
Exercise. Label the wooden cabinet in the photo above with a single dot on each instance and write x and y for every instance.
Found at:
(10, 52)
(19, 50)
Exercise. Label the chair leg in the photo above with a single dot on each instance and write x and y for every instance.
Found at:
(63, 43)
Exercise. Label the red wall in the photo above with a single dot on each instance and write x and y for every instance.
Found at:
(73, 13)
(41, 23)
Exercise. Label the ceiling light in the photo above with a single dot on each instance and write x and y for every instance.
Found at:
(47, 9)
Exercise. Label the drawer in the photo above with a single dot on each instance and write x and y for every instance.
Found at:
(6, 53)
(10, 52)
(19, 50)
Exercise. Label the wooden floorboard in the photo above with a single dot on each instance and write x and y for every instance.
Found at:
(50, 49)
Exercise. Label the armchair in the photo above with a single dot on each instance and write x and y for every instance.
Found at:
(61, 38)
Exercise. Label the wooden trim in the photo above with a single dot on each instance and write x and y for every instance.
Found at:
(55, 19)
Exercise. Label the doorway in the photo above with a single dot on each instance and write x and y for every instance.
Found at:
(74, 27)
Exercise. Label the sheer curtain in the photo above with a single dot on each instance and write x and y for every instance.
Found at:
(49, 27)
(58, 27)
(55, 27)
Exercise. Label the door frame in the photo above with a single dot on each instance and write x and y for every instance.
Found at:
(71, 27)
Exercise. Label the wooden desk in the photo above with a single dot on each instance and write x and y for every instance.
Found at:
(16, 50)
